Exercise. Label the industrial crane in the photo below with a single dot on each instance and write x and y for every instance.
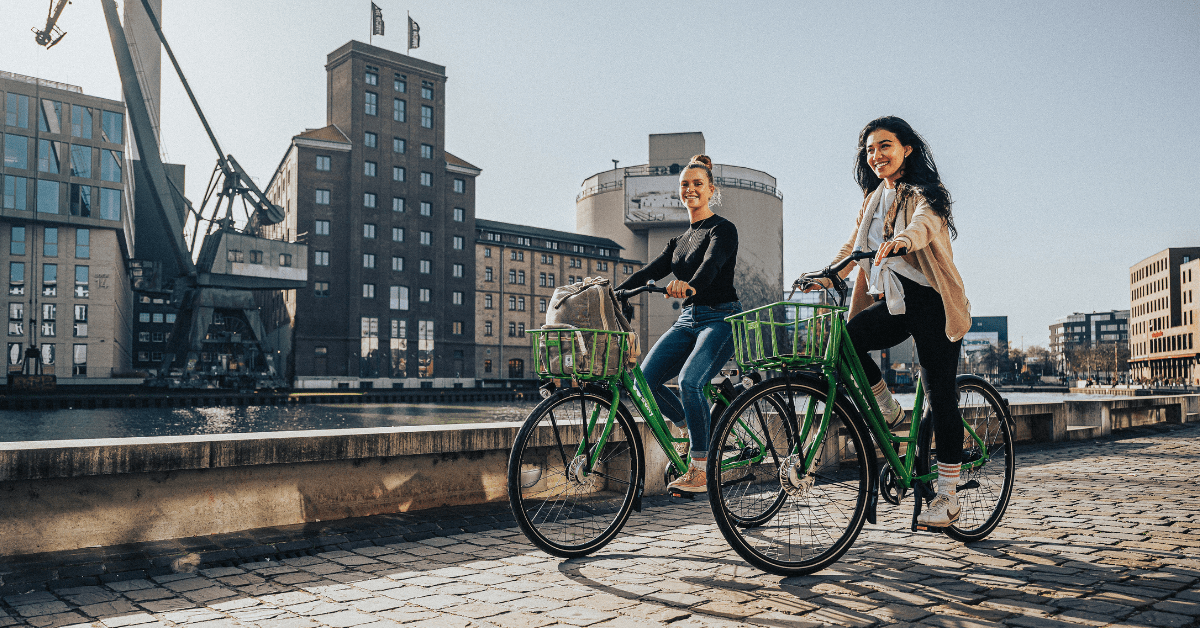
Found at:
(218, 318)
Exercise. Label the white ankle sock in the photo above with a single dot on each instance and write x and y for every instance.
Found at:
(948, 478)
(887, 403)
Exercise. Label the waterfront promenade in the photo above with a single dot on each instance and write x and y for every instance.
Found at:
(1100, 532)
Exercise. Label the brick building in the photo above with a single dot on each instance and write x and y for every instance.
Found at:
(1163, 328)
(387, 215)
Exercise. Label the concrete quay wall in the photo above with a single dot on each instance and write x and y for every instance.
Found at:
(63, 495)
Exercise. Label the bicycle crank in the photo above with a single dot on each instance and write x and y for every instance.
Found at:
(889, 487)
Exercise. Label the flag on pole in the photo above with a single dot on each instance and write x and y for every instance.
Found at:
(376, 20)
(414, 34)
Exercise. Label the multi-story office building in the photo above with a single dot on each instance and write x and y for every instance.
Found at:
(1071, 334)
(516, 270)
(387, 215)
(639, 208)
(1163, 328)
(66, 230)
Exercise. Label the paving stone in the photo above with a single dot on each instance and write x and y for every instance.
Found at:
(1158, 618)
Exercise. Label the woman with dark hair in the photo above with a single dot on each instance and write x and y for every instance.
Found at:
(919, 293)
(700, 342)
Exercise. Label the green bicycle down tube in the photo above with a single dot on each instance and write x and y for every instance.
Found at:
(634, 382)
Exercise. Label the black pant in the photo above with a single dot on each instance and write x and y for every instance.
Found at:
(925, 320)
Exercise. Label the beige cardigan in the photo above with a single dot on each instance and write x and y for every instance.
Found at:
(928, 241)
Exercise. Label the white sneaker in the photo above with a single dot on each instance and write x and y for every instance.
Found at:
(941, 513)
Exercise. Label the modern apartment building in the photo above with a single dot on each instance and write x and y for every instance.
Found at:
(1163, 329)
(387, 215)
(516, 270)
(66, 228)
(1087, 331)
(638, 207)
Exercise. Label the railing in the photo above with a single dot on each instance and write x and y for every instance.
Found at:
(39, 81)
(657, 171)
(603, 187)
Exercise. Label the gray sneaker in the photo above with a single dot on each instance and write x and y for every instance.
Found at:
(941, 513)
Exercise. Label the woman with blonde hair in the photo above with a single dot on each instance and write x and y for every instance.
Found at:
(700, 342)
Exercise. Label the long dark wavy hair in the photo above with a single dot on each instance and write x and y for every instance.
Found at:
(920, 174)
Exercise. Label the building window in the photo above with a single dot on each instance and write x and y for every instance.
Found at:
(16, 278)
(371, 104)
(369, 231)
(551, 277)
(398, 264)
(398, 298)
(542, 305)
(156, 317)
(16, 319)
(427, 238)
(397, 204)
(424, 295)
(487, 252)
(460, 214)
(512, 303)
(49, 319)
(399, 145)
(324, 163)
(487, 364)
(49, 162)
(398, 113)
(512, 276)
(158, 336)
(320, 352)
(456, 328)
(81, 122)
(112, 126)
(426, 91)
(322, 227)
(321, 258)
(487, 328)
(542, 280)
(16, 151)
(143, 336)
(456, 298)
(397, 173)
(81, 282)
(322, 197)
(487, 273)
(459, 242)
(487, 301)
(79, 360)
(16, 246)
(368, 291)
(427, 116)
(370, 140)
(426, 151)
(458, 270)
(426, 267)
(368, 200)
(426, 208)
(369, 168)
(460, 185)
(372, 76)
(512, 330)
(520, 304)
(520, 277)
(81, 161)
(48, 354)
(321, 289)
(47, 196)
(15, 189)
(17, 112)
(427, 178)
(397, 234)
(400, 84)
(368, 260)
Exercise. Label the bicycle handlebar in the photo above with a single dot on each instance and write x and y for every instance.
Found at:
(625, 295)
(831, 271)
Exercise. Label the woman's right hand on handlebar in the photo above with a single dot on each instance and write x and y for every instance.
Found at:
(679, 289)
(819, 283)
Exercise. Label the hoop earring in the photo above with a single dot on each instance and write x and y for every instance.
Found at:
(715, 199)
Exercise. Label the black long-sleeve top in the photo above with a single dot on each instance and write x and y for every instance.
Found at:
(703, 256)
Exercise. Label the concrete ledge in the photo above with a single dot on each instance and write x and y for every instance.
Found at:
(61, 495)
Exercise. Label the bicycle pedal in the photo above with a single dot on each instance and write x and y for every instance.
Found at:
(682, 494)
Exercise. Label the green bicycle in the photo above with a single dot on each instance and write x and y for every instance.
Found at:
(577, 467)
(796, 448)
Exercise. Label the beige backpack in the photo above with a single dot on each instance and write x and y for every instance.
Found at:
(589, 304)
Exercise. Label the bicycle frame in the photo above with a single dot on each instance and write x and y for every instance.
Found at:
(840, 367)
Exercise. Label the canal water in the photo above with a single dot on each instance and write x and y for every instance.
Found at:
(134, 422)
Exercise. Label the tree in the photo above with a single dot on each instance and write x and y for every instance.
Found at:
(1037, 358)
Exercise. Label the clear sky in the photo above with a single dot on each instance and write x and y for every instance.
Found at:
(1064, 130)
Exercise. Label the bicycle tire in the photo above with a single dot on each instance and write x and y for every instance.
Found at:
(766, 508)
(821, 513)
(561, 510)
(983, 506)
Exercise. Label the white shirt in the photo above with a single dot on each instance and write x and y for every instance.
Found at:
(883, 279)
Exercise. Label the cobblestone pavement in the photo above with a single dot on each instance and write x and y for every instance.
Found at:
(1099, 533)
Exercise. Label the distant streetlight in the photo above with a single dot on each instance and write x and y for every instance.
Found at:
(615, 162)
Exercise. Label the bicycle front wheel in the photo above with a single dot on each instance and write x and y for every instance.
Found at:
(777, 514)
(983, 492)
(564, 505)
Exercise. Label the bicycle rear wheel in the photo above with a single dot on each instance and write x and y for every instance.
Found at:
(563, 507)
(775, 516)
(983, 492)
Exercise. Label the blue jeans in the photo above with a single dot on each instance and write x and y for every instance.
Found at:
(694, 348)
